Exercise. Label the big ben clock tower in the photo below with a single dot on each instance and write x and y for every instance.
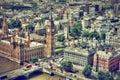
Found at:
(50, 37)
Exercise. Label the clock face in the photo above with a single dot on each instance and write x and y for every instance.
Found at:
(48, 30)
(53, 30)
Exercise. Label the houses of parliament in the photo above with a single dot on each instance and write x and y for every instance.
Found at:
(19, 49)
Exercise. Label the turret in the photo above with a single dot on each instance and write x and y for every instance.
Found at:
(21, 52)
(5, 26)
(107, 38)
(17, 34)
(12, 39)
(28, 38)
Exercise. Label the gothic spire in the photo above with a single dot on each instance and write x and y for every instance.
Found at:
(4, 26)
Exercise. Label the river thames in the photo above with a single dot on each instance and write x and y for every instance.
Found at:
(46, 77)
(7, 65)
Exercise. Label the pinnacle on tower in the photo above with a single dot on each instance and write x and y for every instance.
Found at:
(51, 20)
(4, 26)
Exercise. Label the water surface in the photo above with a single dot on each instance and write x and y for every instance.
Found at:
(46, 77)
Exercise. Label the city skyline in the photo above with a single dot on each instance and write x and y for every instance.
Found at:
(67, 39)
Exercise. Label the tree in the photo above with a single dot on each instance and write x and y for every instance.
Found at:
(67, 66)
(62, 0)
(84, 45)
(1, 22)
(58, 51)
(102, 36)
(27, 0)
(60, 38)
(104, 76)
(43, 20)
(43, 32)
(87, 71)
(88, 27)
(101, 75)
(101, 47)
(34, 4)
(94, 34)
(15, 24)
(34, 60)
(30, 27)
(118, 76)
(0, 25)
(85, 34)
(76, 31)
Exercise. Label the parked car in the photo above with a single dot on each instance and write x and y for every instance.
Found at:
(37, 64)
(28, 67)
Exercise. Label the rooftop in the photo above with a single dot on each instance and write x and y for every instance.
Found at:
(37, 26)
(100, 18)
(106, 56)
(33, 44)
(47, 22)
(5, 41)
(78, 51)
(34, 36)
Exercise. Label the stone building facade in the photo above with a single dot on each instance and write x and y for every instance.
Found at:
(108, 61)
(20, 49)
(114, 40)
(18, 52)
(32, 52)
(79, 56)
(50, 37)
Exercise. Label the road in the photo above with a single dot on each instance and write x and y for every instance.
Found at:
(48, 63)
(18, 72)
(56, 69)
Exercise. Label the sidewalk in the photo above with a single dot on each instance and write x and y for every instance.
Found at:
(79, 75)
(74, 76)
